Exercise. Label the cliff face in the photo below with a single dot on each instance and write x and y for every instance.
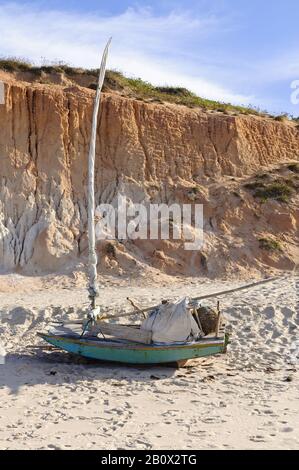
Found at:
(161, 152)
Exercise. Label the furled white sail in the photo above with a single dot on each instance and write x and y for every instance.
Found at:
(92, 268)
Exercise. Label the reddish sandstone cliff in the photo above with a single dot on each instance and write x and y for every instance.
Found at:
(162, 152)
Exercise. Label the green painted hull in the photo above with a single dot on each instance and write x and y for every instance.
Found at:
(135, 353)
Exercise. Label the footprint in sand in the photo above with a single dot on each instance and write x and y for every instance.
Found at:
(269, 312)
(286, 429)
(257, 438)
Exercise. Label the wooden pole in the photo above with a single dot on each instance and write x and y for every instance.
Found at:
(92, 257)
(219, 318)
(202, 297)
(135, 306)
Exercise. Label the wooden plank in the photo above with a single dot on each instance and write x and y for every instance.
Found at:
(122, 332)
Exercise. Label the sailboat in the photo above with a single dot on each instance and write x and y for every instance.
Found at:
(131, 344)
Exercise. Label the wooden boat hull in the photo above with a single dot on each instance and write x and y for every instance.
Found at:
(106, 350)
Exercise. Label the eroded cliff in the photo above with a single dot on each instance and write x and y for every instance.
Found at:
(162, 152)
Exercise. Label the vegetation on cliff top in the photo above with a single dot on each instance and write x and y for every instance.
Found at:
(134, 87)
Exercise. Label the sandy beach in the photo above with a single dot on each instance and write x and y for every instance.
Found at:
(246, 399)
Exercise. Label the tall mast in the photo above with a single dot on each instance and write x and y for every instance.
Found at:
(92, 265)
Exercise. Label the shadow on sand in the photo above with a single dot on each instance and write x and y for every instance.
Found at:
(40, 366)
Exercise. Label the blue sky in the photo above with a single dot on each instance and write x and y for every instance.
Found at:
(231, 50)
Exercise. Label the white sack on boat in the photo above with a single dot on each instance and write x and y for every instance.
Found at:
(172, 323)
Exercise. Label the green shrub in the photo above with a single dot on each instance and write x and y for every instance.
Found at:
(93, 86)
(253, 185)
(176, 91)
(279, 191)
(282, 118)
(110, 250)
(12, 64)
(293, 167)
(195, 190)
(262, 176)
(269, 244)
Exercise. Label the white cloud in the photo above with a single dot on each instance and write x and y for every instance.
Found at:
(284, 67)
(156, 48)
